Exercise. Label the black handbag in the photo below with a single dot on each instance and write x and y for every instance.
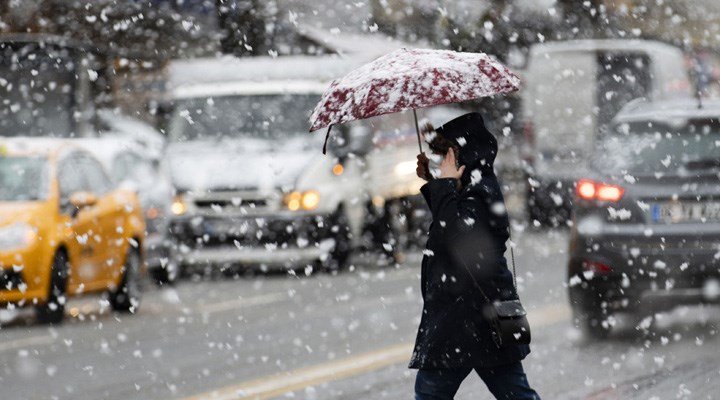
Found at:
(508, 318)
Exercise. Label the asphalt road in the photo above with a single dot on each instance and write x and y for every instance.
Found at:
(345, 336)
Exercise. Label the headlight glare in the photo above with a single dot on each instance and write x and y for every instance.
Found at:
(310, 200)
(178, 206)
(307, 201)
(17, 236)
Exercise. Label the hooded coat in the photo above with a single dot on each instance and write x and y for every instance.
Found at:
(465, 249)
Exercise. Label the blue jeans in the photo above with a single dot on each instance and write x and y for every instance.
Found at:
(505, 382)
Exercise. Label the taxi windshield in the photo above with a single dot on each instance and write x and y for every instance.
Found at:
(23, 178)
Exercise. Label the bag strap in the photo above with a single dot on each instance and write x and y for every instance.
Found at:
(477, 285)
(512, 255)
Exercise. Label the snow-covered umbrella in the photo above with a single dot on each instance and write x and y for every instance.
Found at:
(409, 79)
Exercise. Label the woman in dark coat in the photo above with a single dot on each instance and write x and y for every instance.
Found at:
(465, 248)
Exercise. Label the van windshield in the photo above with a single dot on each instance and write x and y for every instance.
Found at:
(646, 148)
(274, 117)
(23, 178)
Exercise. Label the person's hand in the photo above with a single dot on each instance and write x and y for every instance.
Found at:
(423, 167)
(448, 168)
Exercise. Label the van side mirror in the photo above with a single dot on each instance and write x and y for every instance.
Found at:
(354, 139)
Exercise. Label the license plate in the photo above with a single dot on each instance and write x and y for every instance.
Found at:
(228, 228)
(676, 212)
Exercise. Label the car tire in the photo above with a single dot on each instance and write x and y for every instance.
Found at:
(534, 211)
(340, 254)
(53, 310)
(126, 297)
(166, 275)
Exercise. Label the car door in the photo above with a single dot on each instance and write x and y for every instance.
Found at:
(108, 212)
(81, 226)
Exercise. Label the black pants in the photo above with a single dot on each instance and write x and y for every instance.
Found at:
(505, 382)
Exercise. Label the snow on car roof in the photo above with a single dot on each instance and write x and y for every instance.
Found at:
(258, 69)
(642, 109)
(647, 46)
(106, 148)
(41, 146)
(123, 126)
(249, 88)
(373, 45)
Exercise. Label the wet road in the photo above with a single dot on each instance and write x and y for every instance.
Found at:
(338, 337)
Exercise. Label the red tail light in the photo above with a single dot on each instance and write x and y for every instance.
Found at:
(591, 190)
(596, 267)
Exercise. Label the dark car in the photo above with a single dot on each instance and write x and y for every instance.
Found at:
(646, 232)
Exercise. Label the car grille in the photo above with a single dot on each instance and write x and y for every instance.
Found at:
(209, 232)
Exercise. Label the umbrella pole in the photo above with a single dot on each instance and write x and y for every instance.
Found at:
(417, 130)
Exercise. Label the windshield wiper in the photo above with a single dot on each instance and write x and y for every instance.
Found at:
(703, 163)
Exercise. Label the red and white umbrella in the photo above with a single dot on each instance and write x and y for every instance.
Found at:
(409, 79)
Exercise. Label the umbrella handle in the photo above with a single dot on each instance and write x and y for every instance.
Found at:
(327, 136)
(417, 130)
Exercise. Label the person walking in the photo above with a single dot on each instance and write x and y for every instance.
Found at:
(465, 248)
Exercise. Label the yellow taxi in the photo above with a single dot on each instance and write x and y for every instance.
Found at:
(64, 229)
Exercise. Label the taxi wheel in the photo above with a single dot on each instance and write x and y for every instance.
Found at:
(126, 297)
(53, 311)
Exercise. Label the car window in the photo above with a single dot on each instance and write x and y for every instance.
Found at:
(96, 180)
(23, 178)
(69, 178)
(125, 166)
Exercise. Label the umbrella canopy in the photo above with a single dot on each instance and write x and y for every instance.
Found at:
(409, 79)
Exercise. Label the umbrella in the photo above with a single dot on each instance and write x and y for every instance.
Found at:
(410, 79)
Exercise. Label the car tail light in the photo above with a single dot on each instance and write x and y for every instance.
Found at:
(591, 190)
(596, 267)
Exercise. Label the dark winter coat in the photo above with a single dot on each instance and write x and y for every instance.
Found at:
(466, 241)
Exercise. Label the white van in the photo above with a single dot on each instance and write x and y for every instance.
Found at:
(252, 185)
(572, 90)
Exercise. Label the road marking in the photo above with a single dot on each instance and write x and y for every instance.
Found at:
(548, 315)
(240, 303)
(26, 342)
(276, 385)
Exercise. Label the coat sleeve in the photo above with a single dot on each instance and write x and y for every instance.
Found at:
(460, 217)
(456, 213)
(425, 190)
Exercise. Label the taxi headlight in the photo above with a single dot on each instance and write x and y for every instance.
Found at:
(178, 206)
(307, 201)
(17, 236)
